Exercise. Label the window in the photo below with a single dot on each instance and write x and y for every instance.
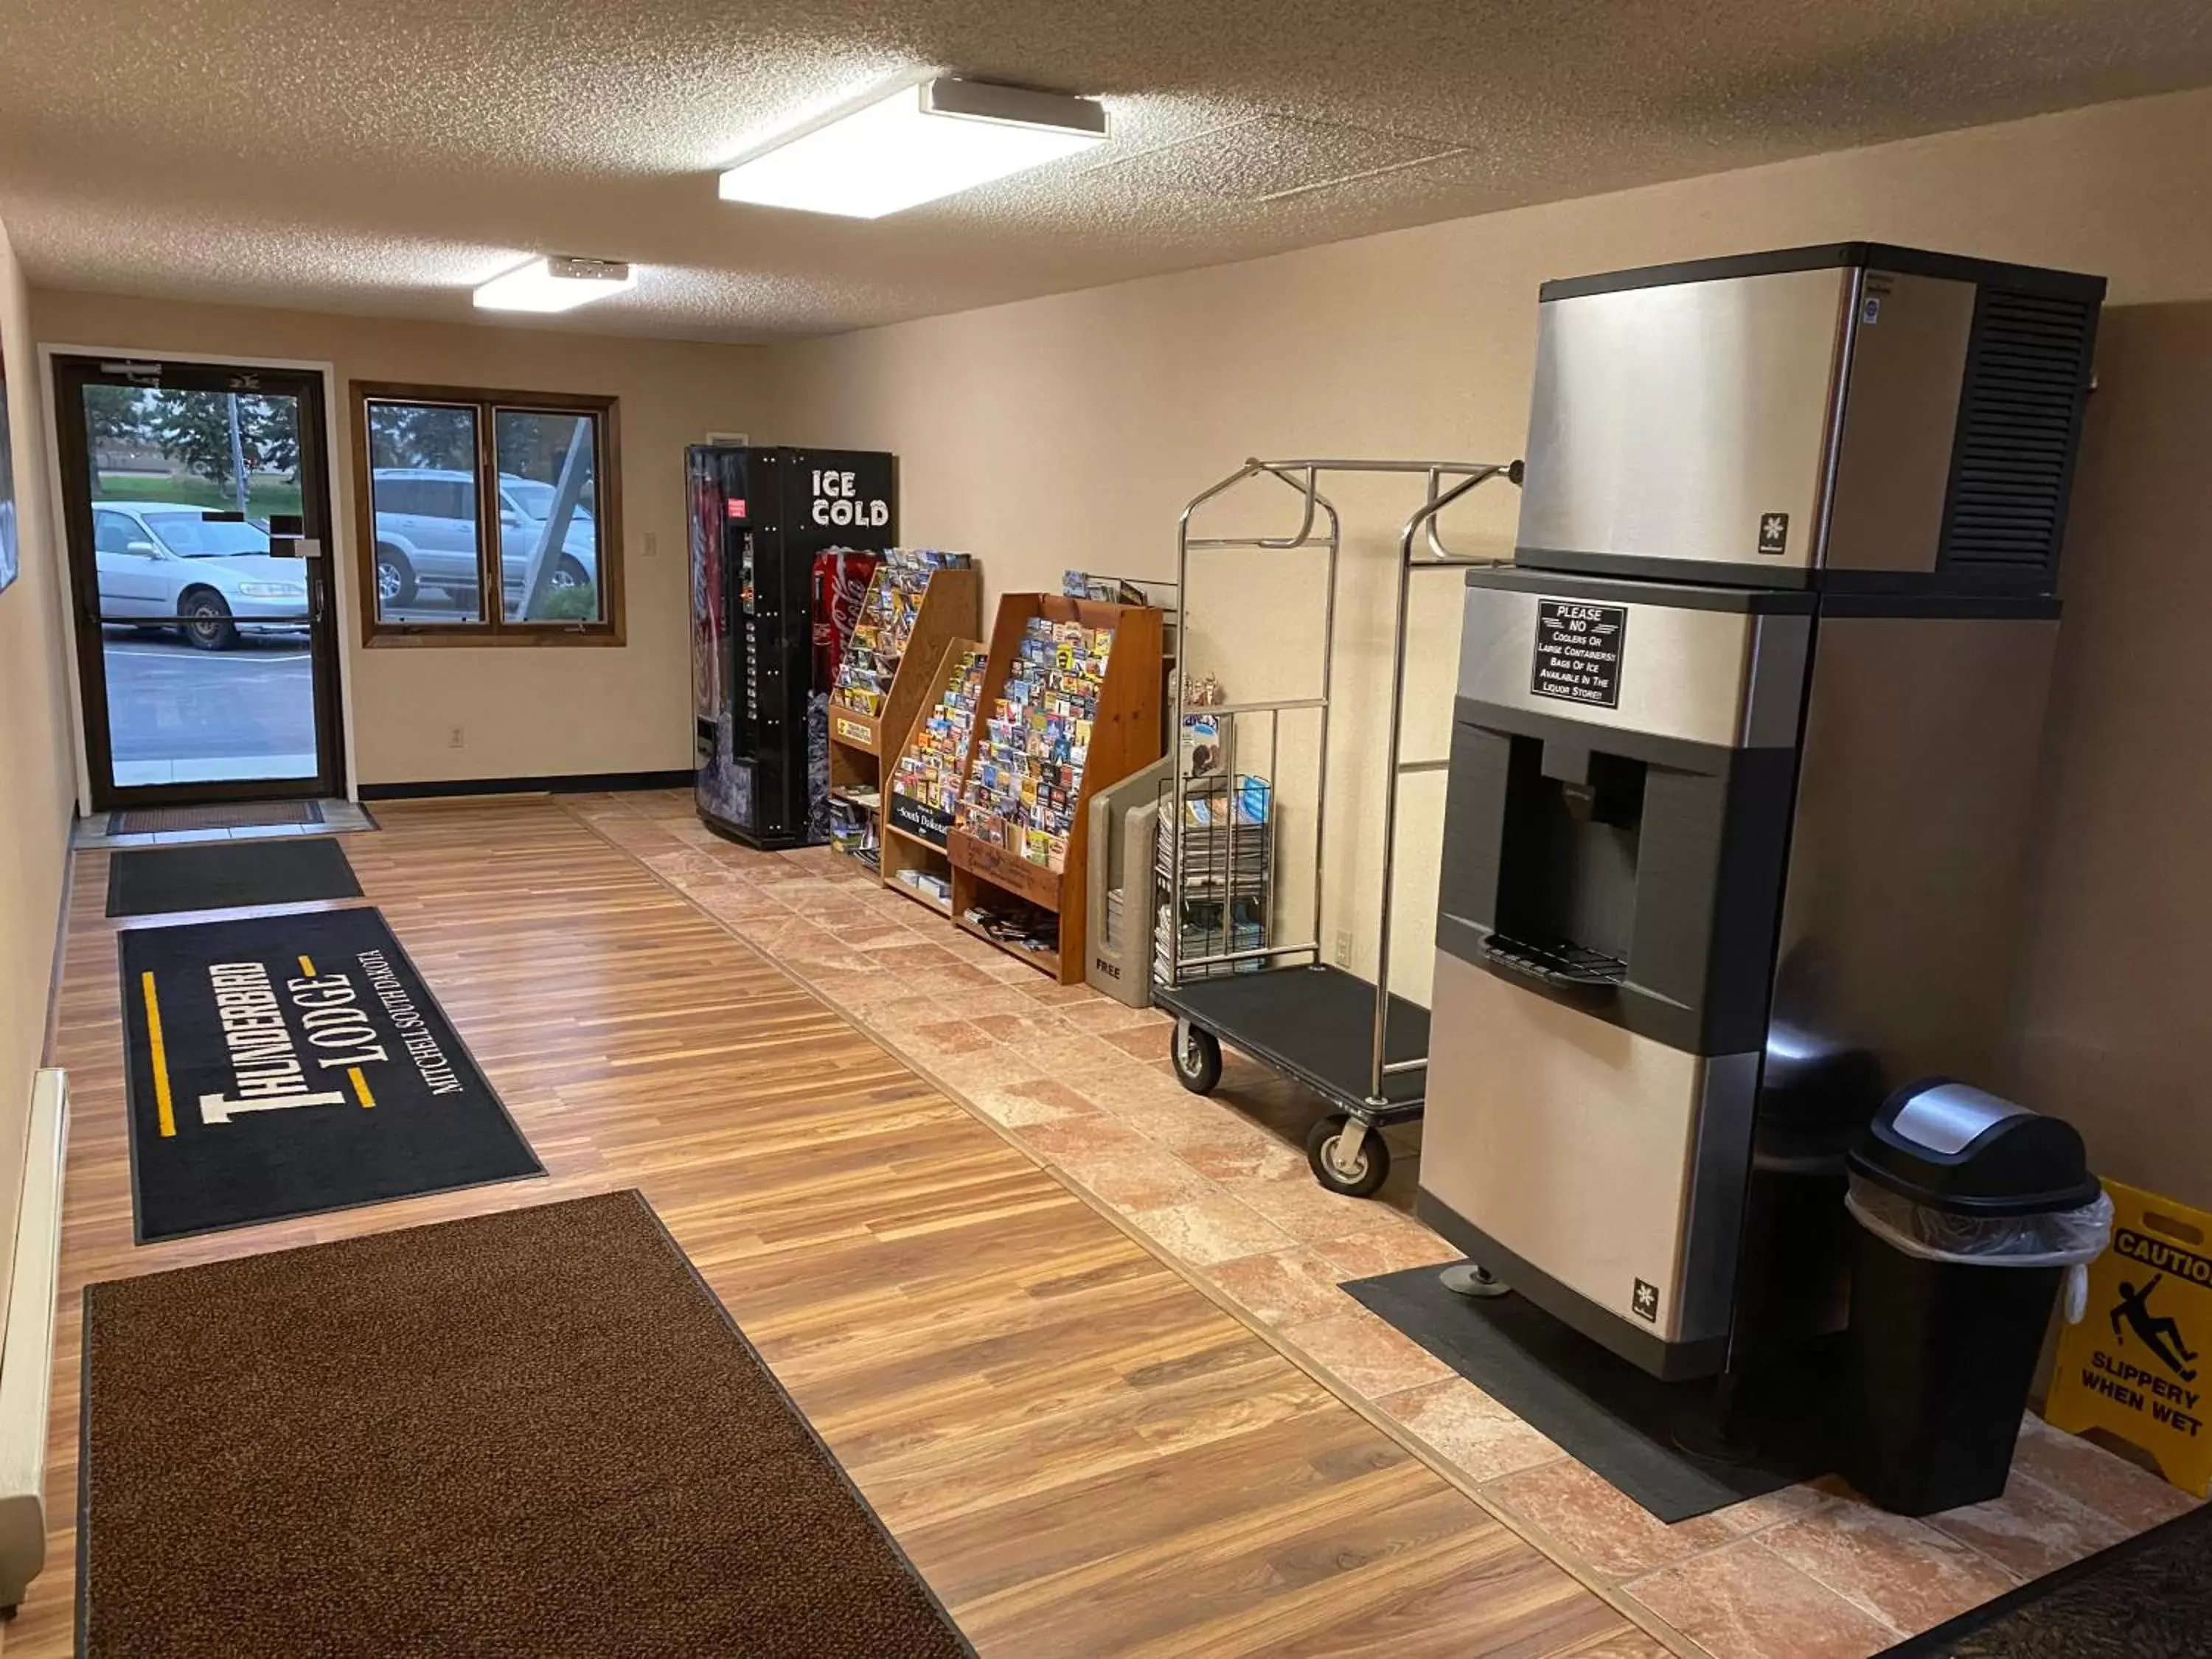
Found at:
(191, 537)
(112, 532)
(539, 562)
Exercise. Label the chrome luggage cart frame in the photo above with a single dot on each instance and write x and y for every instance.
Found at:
(1359, 1048)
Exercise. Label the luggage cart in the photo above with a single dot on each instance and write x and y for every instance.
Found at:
(1362, 1050)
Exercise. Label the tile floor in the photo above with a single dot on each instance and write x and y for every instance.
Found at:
(339, 817)
(1220, 1186)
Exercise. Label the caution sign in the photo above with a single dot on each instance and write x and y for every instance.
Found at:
(2136, 1365)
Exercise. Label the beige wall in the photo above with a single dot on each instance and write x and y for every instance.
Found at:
(37, 772)
(535, 712)
(1070, 430)
(2112, 1014)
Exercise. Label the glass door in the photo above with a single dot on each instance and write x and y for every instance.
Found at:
(196, 503)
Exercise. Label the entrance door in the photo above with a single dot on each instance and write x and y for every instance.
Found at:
(195, 502)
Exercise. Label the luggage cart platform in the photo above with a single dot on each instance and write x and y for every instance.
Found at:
(1315, 1024)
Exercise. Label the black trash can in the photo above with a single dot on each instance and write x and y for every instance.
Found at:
(1971, 1212)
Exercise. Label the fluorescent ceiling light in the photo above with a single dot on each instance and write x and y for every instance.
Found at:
(915, 145)
(554, 283)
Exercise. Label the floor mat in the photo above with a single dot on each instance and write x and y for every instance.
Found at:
(1619, 1421)
(280, 1066)
(2149, 1598)
(228, 875)
(517, 1435)
(222, 815)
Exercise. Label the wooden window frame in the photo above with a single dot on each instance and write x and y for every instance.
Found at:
(492, 628)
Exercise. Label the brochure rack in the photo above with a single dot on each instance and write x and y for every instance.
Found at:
(916, 822)
(862, 738)
(1124, 735)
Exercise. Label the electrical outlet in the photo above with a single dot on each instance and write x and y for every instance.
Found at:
(1344, 947)
(457, 739)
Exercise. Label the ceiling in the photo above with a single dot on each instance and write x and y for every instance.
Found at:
(385, 157)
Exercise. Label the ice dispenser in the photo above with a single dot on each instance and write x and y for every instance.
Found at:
(1743, 755)
(1609, 903)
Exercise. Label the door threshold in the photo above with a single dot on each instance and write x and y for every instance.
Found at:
(176, 826)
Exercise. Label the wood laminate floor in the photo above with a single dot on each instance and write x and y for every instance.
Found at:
(1080, 1450)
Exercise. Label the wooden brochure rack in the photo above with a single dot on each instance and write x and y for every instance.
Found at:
(1125, 736)
(915, 833)
(861, 741)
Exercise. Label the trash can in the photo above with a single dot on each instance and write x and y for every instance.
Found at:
(1971, 1212)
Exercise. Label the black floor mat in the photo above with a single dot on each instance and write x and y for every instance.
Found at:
(1620, 1422)
(228, 875)
(286, 1064)
(2149, 1598)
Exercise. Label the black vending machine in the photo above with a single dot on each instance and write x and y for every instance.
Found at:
(759, 517)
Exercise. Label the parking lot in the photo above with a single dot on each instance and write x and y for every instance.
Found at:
(178, 714)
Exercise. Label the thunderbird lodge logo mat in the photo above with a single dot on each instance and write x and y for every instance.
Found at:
(286, 1064)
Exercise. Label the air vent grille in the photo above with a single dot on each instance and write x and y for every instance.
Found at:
(2019, 421)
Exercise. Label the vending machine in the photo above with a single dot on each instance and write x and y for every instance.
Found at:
(762, 521)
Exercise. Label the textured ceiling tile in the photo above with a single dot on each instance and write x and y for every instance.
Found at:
(385, 155)
(1270, 156)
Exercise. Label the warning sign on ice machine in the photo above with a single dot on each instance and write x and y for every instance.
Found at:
(1578, 651)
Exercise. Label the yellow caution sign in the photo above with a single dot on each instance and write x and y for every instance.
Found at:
(2139, 1364)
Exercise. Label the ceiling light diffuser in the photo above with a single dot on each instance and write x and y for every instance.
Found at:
(554, 283)
(915, 145)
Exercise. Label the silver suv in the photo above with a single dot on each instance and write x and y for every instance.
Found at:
(426, 535)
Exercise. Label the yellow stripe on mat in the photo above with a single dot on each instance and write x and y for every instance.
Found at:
(360, 1086)
(165, 1108)
(307, 966)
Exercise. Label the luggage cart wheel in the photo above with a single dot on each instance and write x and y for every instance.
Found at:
(1197, 1056)
(1369, 1165)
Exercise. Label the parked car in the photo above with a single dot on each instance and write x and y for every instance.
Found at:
(426, 534)
(166, 559)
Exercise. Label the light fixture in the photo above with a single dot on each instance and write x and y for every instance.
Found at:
(557, 283)
(914, 145)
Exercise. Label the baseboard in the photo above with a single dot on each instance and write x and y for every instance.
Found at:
(578, 783)
(51, 1040)
(26, 1340)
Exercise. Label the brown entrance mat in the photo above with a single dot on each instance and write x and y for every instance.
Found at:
(517, 1435)
(230, 815)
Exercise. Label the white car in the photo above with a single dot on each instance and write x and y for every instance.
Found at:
(426, 534)
(166, 559)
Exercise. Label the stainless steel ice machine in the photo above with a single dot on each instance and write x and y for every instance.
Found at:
(1741, 773)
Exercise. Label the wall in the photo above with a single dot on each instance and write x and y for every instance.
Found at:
(2112, 1007)
(37, 772)
(1069, 431)
(527, 712)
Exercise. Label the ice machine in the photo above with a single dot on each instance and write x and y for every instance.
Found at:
(1854, 417)
(1741, 765)
(760, 518)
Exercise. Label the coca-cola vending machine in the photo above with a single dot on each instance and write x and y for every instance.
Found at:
(783, 542)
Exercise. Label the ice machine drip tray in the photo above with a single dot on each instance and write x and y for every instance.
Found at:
(1562, 966)
(1566, 911)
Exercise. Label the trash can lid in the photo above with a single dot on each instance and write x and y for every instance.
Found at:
(1957, 1148)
